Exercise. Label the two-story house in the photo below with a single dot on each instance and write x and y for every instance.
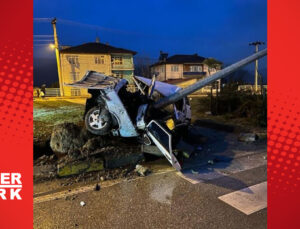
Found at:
(184, 67)
(95, 56)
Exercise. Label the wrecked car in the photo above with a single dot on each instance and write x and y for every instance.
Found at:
(158, 113)
(114, 110)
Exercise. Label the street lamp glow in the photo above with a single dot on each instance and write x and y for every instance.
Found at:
(52, 46)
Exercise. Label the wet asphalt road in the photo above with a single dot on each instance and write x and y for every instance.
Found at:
(157, 201)
(164, 199)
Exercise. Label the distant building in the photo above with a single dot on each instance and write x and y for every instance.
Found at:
(96, 56)
(179, 68)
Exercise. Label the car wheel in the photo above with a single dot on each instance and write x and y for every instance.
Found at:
(98, 121)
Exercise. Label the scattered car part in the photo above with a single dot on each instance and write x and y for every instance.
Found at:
(82, 203)
(141, 170)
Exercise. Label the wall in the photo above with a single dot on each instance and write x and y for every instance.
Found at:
(74, 71)
(160, 69)
(165, 72)
(127, 62)
(174, 75)
(126, 68)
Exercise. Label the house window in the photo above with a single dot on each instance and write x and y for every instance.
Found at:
(73, 59)
(74, 76)
(99, 60)
(117, 60)
(162, 69)
(195, 69)
(174, 68)
(75, 92)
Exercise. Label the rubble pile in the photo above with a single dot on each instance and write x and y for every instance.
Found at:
(67, 139)
(141, 170)
(76, 151)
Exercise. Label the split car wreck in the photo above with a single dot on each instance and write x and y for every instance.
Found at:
(158, 113)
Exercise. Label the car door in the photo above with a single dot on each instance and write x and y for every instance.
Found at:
(163, 140)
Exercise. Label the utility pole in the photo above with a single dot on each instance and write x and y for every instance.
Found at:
(256, 44)
(56, 46)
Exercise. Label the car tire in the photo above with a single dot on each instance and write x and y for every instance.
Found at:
(95, 125)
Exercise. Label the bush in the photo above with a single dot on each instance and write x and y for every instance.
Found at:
(239, 104)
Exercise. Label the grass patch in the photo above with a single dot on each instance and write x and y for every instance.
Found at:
(46, 114)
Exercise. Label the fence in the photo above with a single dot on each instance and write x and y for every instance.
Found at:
(251, 88)
(50, 92)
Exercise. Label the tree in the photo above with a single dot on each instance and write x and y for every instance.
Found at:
(212, 64)
(142, 66)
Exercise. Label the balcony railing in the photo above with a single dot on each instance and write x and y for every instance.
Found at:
(50, 92)
(194, 74)
(122, 67)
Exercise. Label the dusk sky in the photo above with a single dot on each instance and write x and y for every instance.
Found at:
(212, 28)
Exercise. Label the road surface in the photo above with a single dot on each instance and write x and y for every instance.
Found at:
(228, 192)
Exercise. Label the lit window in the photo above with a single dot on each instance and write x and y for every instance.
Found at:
(174, 68)
(117, 60)
(75, 92)
(195, 68)
(73, 59)
(99, 60)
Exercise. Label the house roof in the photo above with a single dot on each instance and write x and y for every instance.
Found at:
(182, 59)
(95, 48)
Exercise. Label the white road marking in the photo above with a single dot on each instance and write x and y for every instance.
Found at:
(62, 194)
(221, 169)
(248, 200)
(86, 188)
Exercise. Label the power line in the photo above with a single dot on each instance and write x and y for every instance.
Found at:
(41, 36)
(42, 40)
(42, 19)
(96, 27)
(90, 26)
(40, 44)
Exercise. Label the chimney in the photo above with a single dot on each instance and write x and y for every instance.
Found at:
(162, 56)
(97, 39)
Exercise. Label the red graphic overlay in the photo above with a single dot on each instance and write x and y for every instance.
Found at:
(16, 128)
(283, 114)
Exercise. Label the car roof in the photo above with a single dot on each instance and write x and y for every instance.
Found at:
(163, 88)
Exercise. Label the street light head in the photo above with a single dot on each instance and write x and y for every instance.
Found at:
(257, 43)
(53, 21)
(52, 46)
